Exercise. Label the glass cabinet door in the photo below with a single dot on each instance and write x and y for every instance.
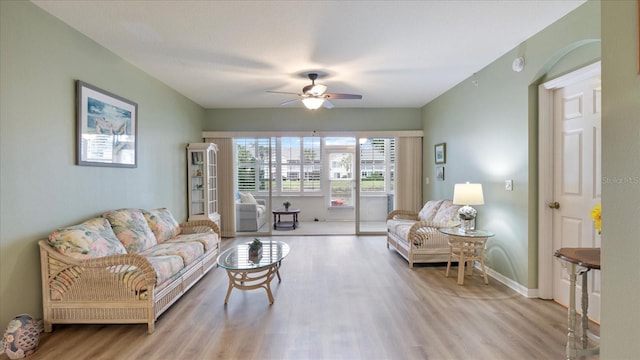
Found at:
(202, 175)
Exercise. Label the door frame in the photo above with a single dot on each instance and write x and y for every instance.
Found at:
(545, 172)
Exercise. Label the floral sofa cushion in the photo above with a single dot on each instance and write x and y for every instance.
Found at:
(166, 266)
(400, 227)
(447, 213)
(92, 239)
(208, 240)
(162, 223)
(429, 210)
(188, 251)
(131, 227)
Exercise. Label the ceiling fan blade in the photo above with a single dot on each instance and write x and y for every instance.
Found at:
(342, 96)
(318, 89)
(327, 104)
(283, 92)
(288, 102)
(314, 89)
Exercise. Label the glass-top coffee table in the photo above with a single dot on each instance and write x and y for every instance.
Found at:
(247, 273)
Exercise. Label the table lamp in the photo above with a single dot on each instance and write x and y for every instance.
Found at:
(467, 194)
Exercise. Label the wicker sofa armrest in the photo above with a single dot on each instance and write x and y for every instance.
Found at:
(402, 214)
(425, 233)
(108, 278)
(196, 226)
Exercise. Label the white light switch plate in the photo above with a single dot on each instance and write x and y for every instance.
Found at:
(508, 185)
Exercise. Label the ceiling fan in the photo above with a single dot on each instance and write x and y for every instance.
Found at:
(313, 96)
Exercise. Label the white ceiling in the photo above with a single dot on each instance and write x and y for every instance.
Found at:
(226, 54)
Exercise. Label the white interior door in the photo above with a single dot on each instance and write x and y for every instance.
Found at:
(577, 181)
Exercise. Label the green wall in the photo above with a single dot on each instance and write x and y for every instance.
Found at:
(621, 181)
(489, 122)
(41, 188)
(300, 119)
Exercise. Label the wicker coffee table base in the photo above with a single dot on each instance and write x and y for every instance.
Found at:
(253, 279)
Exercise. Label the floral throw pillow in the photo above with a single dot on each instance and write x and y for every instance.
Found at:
(92, 239)
(447, 213)
(429, 210)
(162, 223)
(132, 229)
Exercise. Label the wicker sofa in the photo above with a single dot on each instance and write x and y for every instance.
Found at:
(126, 266)
(415, 236)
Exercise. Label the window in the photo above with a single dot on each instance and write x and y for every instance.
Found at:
(252, 164)
(377, 165)
(311, 164)
(297, 164)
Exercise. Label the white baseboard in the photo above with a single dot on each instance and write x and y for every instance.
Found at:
(511, 284)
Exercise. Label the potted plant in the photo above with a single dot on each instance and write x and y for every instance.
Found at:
(286, 205)
(255, 248)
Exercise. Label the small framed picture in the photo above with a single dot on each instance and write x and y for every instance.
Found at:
(440, 173)
(107, 128)
(441, 153)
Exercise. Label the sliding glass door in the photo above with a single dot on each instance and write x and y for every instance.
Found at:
(376, 183)
(341, 179)
(254, 178)
(329, 179)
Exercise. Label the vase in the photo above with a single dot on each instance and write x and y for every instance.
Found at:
(255, 253)
(21, 338)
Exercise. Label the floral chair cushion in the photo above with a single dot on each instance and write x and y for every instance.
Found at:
(447, 213)
(162, 223)
(429, 210)
(92, 239)
(132, 229)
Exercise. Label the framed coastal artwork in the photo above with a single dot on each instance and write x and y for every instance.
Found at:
(440, 173)
(441, 153)
(107, 128)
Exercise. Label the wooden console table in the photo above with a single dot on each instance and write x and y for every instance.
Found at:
(578, 261)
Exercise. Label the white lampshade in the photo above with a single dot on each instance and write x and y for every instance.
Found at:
(468, 194)
(312, 103)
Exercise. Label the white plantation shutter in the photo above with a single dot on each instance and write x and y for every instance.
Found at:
(311, 164)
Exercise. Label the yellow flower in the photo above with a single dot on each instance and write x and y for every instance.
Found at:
(596, 215)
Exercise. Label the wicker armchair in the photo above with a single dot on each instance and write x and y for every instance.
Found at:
(116, 289)
(415, 236)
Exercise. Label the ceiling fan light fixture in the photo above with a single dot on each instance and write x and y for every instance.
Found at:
(312, 103)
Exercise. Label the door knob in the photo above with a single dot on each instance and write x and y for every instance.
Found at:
(554, 205)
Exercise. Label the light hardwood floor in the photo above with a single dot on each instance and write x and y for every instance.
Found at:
(341, 297)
